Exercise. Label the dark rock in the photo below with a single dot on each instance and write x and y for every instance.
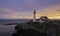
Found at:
(28, 32)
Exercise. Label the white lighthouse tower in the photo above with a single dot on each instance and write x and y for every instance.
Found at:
(34, 16)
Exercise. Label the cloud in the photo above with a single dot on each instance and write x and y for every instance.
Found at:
(53, 12)
(16, 9)
(14, 14)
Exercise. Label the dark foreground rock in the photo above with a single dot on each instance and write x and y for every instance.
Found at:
(28, 32)
(36, 29)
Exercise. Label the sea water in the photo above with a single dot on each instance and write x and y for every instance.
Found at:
(7, 21)
(7, 30)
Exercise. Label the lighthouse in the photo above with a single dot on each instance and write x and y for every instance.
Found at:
(34, 16)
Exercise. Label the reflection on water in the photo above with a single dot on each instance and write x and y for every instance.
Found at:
(6, 30)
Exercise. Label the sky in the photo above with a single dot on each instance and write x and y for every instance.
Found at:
(23, 9)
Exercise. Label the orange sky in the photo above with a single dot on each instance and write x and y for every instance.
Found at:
(18, 9)
(52, 12)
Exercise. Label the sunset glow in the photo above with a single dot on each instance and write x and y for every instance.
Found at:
(23, 9)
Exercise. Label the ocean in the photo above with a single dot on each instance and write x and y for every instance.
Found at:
(7, 30)
(7, 21)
